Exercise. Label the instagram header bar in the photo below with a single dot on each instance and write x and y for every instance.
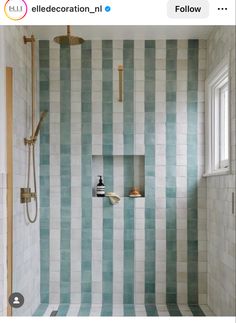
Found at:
(122, 12)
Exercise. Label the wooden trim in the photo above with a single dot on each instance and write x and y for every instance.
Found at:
(9, 136)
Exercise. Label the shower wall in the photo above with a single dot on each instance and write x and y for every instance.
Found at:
(25, 237)
(221, 220)
(147, 250)
(3, 236)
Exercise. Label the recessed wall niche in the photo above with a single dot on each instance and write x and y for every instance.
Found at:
(128, 172)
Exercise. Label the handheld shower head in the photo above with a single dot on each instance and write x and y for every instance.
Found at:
(42, 116)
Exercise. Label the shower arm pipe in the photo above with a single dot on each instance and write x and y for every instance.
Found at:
(68, 30)
(32, 41)
(120, 71)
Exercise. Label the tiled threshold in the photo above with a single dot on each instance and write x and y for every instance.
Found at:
(122, 310)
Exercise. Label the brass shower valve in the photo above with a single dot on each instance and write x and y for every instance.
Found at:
(26, 195)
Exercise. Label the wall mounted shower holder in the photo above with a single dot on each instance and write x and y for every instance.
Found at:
(26, 195)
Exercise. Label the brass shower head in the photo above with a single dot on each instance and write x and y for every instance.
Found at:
(68, 39)
(42, 116)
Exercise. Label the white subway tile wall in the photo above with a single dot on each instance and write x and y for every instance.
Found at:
(221, 227)
(26, 257)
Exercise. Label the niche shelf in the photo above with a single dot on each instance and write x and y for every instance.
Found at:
(132, 165)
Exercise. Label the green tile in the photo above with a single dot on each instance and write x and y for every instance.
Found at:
(107, 118)
(192, 226)
(84, 309)
(174, 310)
(150, 206)
(86, 139)
(106, 310)
(196, 310)
(41, 308)
(44, 173)
(171, 75)
(170, 44)
(151, 310)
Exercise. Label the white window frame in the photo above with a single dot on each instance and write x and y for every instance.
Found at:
(214, 84)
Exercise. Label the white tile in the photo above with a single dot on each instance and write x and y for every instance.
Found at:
(95, 310)
(117, 310)
(73, 310)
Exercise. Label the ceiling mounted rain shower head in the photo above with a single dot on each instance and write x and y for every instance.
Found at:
(68, 39)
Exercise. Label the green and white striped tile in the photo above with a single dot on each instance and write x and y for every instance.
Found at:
(150, 203)
(65, 173)
(44, 92)
(76, 174)
(160, 165)
(181, 171)
(171, 81)
(150, 263)
(86, 163)
(55, 189)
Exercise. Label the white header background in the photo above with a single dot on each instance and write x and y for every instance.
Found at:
(123, 12)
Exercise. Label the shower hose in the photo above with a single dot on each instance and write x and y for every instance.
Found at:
(34, 195)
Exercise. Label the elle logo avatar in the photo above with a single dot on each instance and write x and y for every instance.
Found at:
(15, 9)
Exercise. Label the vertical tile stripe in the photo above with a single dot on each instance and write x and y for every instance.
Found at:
(86, 164)
(44, 172)
(171, 59)
(65, 151)
(128, 116)
(118, 172)
(151, 310)
(150, 205)
(139, 209)
(128, 130)
(181, 171)
(97, 218)
(75, 174)
(202, 182)
(63, 310)
(174, 310)
(129, 310)
(160, 172)
(192, 171)
(55, 195)
(41, 310)
(84, 310)
(97, 230)
(196, 310)
(107, 116)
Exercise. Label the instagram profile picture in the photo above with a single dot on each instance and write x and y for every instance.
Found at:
(15, 9)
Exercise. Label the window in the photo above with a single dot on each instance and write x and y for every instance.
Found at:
(217, 120)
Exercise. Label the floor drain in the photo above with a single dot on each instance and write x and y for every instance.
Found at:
(54, 313)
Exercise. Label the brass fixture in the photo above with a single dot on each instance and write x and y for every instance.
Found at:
(32, 41)
(68, 39)
(135, 192)
(33, 138)
(120, 70)
(25, 194)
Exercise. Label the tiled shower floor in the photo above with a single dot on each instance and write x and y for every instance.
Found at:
(122, 310)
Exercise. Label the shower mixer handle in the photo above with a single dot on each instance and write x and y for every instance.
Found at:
(26, 195)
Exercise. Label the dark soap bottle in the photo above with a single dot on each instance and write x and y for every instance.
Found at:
(100, 191)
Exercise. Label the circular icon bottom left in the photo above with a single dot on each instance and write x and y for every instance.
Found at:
(16, 300)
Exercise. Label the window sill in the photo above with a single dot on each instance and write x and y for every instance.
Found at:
(217, 173)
